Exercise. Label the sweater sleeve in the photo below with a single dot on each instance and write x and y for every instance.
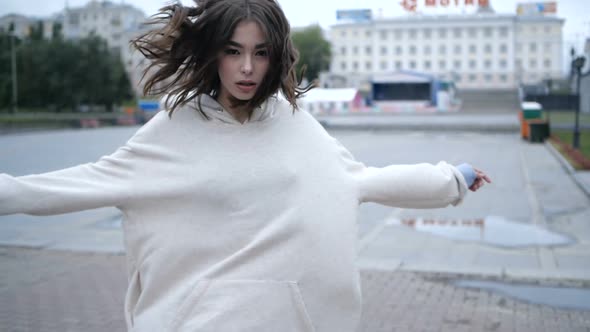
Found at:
(412, 186)
(103, 183)
(407, 186)
(113, 180)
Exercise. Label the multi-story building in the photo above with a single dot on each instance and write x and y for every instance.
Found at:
(481, 50)
(23, 25)
(115, 23)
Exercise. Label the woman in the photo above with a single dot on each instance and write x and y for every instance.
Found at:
(240, 210)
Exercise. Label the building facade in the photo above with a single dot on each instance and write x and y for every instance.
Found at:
(117, 24)
(23, 25)
(484, 50)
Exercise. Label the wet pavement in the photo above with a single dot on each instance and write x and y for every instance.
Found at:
(559, 297)
(493, 231)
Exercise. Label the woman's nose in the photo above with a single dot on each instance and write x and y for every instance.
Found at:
(247, 65)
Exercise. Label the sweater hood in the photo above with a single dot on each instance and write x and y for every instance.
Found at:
(215, 111)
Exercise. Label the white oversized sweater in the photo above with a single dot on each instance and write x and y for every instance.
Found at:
(236, 227)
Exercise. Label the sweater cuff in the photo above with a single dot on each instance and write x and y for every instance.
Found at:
(468, 173)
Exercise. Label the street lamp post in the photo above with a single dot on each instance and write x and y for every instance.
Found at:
(14, 77)
(578, 64)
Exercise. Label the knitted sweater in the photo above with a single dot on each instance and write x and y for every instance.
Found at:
(236, 227)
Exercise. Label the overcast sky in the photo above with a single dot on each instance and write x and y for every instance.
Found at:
(305, 12)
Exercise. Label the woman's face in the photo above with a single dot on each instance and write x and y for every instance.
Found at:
(243, 63)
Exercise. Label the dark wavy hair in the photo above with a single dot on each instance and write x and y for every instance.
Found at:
(185, 43)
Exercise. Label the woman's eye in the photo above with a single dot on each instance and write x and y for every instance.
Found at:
(231, 51)
(262, 53)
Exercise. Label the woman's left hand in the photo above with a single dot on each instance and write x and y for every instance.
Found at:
(480, 179)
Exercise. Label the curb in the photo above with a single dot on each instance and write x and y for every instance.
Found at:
(420, 127)
(568, 168)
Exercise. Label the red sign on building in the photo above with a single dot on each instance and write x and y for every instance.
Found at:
(412, 5)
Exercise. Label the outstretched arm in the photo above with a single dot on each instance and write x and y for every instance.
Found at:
(413, 186)
(104, 183)
(115, 180)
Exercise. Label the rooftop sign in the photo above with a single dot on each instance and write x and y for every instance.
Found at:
(536, 8)
(412, 5)
(354, 15)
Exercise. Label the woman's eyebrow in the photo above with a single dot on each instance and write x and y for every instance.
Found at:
(236, 44)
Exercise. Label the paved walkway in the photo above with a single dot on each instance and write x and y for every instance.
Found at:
(55, 291)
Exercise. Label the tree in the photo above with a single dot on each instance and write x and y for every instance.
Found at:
(60, 74)
(314, 51)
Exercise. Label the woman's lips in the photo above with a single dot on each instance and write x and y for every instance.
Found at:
(246, 87)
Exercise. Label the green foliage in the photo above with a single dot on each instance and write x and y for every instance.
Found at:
(314, 51)
(60, 75)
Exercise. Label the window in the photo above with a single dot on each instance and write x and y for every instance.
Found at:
(368, 33)
(343, 50)
(547, 63)
(457, 49)
(472, 77)
(426, 64)
(442, 33)
(383, 65)
(547, 29)
(503, 64)
(412, 49)
(442, 49)
(368, 65)
(547, 47)
(518, 63)
(397, 34)
(503, 32)
(383, 50)
(518, 48)
(398, 50)
(472, 64)
(472, 49)
(383, 34)
(368, 50)
(457, 32)
(533, 47)
(532, 63)
(457, 64)
(487, 63)
(355, 66)
(343, 33)
(427, 49)
(355, 33)
(472, 33)
(442, 64)
(503, 48)
(487, 32)
(412, 33)
(503, 77)
(355, 50)
(488, 77)
(398, 65)
(343, 65)
(427, 33)
(488, 48)
(412, 65)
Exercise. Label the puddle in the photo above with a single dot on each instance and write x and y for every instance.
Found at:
(495, 231)
(560, 297)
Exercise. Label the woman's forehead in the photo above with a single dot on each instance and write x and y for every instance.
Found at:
(248, 31)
